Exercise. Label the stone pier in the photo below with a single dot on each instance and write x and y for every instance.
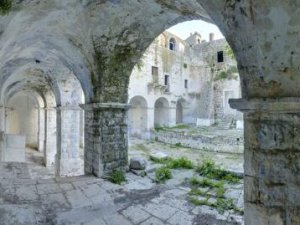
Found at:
(272, 160)
(68, 162)
(50, 141)
(106, 142)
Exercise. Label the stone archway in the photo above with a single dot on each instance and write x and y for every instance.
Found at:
(263, 34)
(161, 112)
(138, 116)
(23, 118)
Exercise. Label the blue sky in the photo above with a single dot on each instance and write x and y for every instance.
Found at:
(184, 29)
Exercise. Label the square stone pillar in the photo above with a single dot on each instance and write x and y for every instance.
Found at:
(68, 162)
(50, 139)
(272, 160)
(172, 114)
(106, 138)
(2, 118)
(41, 129)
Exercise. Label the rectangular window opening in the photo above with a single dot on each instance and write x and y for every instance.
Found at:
(220, 56)
(155, 74)
(185, 83)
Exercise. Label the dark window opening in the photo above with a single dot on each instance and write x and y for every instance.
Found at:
(155, 74)
(172, 44)
(220, 56)
(167, 80)
(185, 65)
(185, 83)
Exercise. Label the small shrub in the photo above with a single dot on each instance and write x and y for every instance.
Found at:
(181, 162)
(162, 174)
(178, 145)
(117, 177)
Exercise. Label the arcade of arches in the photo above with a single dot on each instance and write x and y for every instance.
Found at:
(53, 51)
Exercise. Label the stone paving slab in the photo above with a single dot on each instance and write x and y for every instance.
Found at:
(136, 214)
(87, 200)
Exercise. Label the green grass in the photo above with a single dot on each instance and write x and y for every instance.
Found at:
(205, 182)
(117, 177)
(165, 128)
(209, 169)
(162, 174)
(222, 204)
(179, 163)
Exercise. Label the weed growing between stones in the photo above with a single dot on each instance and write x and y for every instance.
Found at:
(205, 189)
(209, 169)
(117, 177)
(162, 174)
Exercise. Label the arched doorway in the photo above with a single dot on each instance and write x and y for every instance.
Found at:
(161, 112)
(138, 116)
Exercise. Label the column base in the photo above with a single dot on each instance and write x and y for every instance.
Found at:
(69, 167)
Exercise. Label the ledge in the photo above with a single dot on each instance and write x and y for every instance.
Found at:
(108, 105)
(272, 105)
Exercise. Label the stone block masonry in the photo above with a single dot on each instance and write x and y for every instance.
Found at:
(106, 141)
(225, 143)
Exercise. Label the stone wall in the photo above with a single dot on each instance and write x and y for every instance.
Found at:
(199, 141)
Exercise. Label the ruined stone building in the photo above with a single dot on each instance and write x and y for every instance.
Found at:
(180, 81)
(53, 52)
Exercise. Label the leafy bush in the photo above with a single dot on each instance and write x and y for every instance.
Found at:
(178, 145)
(181, 162)
(5, 6)
(117, 177)
(209, 169)
(162, 174)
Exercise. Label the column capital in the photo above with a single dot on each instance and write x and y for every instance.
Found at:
(269, 105)
(107, 105)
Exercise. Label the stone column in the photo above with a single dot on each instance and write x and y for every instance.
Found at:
(41, 130)
(106, 138)
(150, 122)
(50, 140)
(272, 160)
(68, 162)
(2, 118)
(2, 135)
(172, 114)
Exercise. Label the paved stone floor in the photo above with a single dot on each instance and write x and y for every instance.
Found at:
(30, 194)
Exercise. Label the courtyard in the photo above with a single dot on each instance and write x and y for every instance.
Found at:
(31, 194)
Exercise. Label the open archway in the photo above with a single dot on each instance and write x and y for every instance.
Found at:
(138, 117)
(161, 112)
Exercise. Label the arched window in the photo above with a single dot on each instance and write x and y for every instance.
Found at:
(172, 44)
